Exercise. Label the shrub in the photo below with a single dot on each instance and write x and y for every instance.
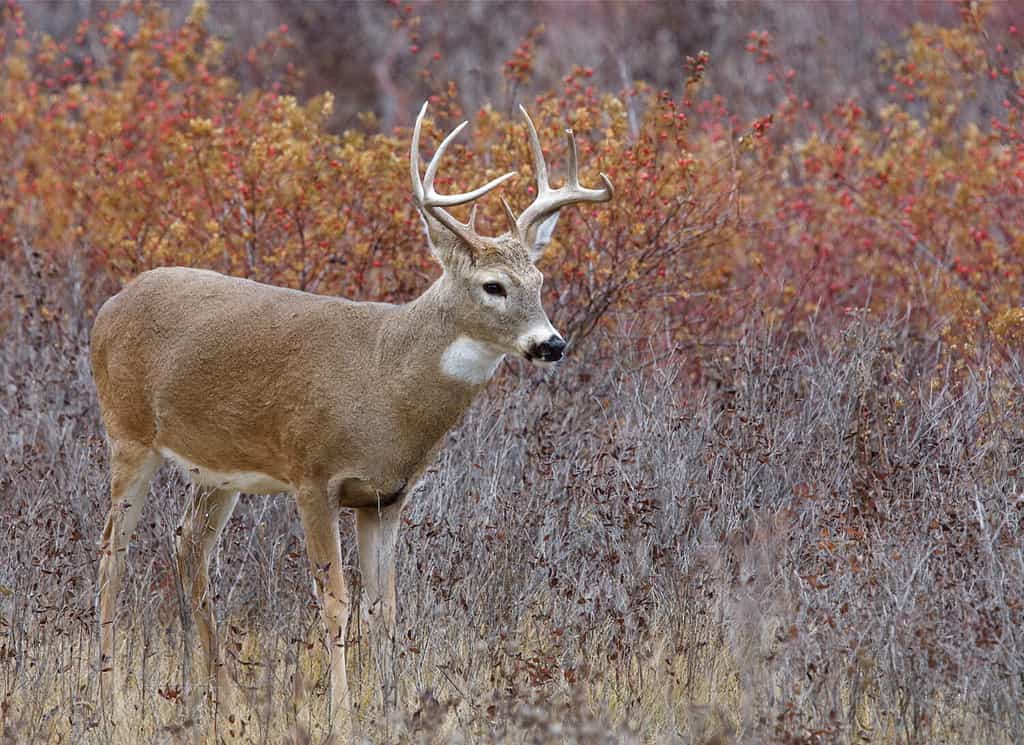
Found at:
(156, 156)
(908, 205)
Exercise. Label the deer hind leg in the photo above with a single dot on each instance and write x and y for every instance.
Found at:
(323, 544)
(377, 531)
(132, 466)
(201, 525)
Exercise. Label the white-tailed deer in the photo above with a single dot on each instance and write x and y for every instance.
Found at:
(259, 389)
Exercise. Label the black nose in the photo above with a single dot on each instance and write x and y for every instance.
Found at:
(550, 350)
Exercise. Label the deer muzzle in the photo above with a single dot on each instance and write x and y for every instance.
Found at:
(550, 350)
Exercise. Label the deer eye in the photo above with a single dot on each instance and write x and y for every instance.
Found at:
(494, 288)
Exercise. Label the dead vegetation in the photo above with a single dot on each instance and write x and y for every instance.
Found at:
(825, 546)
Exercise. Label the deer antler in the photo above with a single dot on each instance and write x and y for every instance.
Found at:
(550, 200)
(433, 203)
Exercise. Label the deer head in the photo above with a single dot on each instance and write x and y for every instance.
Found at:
(496, 285)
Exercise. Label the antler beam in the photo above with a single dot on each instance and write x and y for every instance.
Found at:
(427, 197)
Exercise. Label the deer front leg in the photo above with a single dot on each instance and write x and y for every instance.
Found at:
(323, 544)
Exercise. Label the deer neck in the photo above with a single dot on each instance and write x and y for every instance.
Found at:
(426, 341)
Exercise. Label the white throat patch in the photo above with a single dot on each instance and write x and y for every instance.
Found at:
(470, 361)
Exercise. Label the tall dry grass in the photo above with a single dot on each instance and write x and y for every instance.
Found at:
(821, 545)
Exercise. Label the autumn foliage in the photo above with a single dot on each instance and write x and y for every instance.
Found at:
(153, 154)
(912, 204)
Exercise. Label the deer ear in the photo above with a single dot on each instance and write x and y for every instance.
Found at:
(543, 236)
(447, 248)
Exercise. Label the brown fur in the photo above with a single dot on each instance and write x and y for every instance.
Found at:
(187, 360)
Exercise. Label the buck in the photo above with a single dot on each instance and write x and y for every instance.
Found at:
(259, 389)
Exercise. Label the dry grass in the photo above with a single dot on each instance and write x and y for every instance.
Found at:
(822, 546)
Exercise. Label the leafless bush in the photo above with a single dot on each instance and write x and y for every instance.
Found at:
(823, 545)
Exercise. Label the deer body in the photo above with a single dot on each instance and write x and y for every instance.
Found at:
(185, 356)
(259, 389)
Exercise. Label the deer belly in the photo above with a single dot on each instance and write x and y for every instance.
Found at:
(250, 482)
(361, 493)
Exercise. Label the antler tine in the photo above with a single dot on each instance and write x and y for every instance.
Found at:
(452, 200)
(550, 200)
(414, 156)
(428, 178)
(511, 216)
(540, 166)
(572, 178)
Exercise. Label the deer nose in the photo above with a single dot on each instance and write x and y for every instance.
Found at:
(550, 350)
